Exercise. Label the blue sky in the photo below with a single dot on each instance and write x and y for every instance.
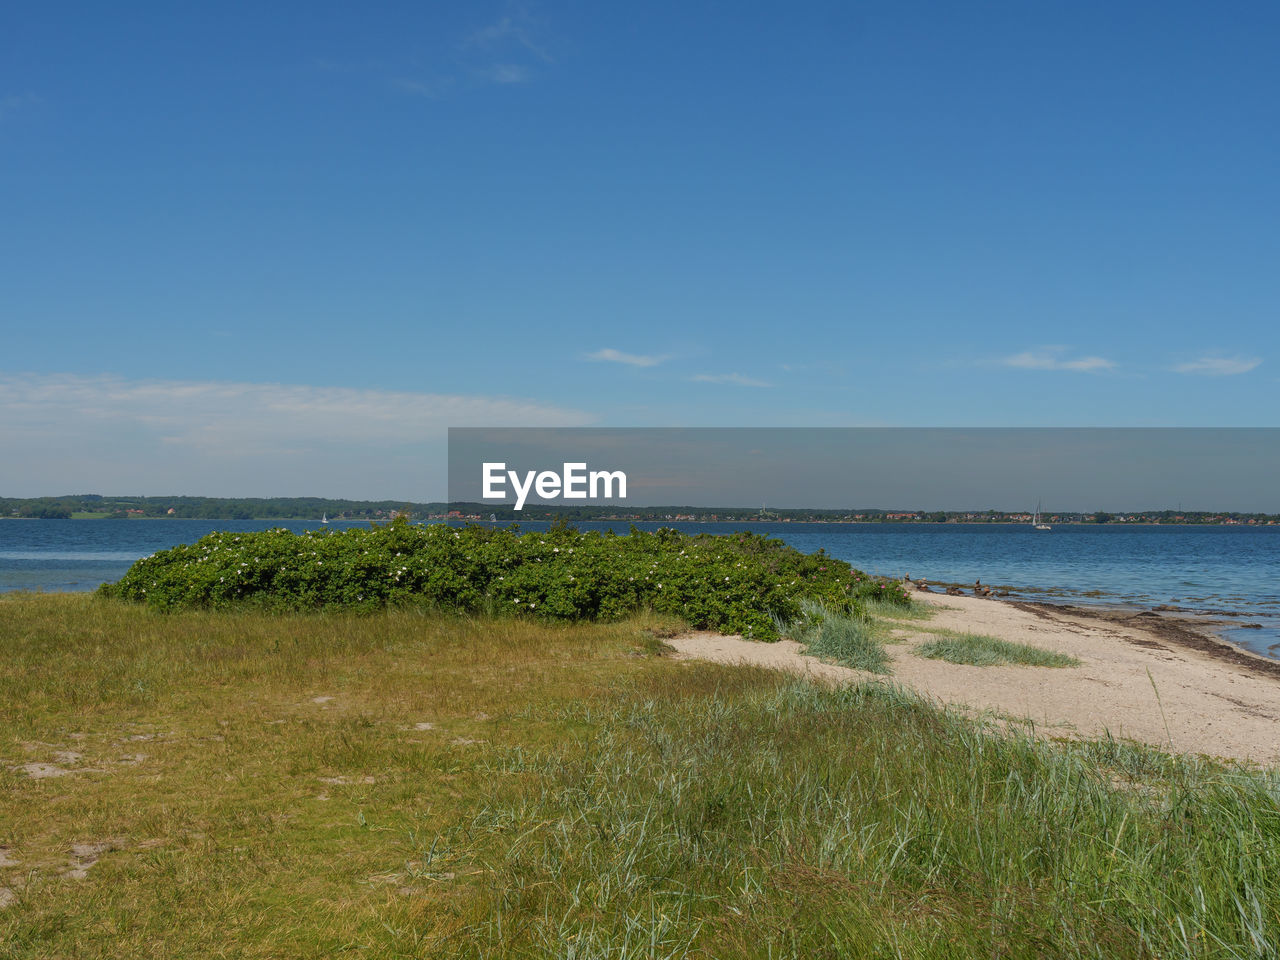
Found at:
(247, 248)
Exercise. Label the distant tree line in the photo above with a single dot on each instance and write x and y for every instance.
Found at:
(208, 508)
(314, 508)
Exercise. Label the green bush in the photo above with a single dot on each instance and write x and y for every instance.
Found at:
(735, 583)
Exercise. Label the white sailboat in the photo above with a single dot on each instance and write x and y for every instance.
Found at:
(324, 518)
(1037, 523)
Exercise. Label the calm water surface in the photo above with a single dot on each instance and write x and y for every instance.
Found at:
(1234, 569)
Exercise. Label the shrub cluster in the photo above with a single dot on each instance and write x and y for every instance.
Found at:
(733, 583)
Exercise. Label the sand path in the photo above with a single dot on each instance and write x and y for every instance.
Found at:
(1215, 699)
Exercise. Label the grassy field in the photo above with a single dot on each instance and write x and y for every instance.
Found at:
(409, 785)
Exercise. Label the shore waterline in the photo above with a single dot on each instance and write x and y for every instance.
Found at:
(1225, 570)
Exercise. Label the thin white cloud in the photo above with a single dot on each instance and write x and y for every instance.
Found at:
(512, 50)
(15, 102)
(609, 355)
(1219, 366)
(430, 90)
(69, 432)
(329, 65)
(502, 51)
(1054, 358)
(737, 379)
(510, 32)
(508, 73)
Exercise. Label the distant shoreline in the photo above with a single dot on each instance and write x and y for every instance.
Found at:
(96, 506)
(787, 520)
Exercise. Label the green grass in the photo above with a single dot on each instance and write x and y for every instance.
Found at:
(851, 638)
(974, 649)
(911, 610)
(852, 641)
(486, 788)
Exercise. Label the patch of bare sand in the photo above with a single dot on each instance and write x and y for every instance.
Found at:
(43, 771)
(85, 855)
(1213, 699)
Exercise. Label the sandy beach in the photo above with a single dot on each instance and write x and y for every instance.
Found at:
(1142, 676)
